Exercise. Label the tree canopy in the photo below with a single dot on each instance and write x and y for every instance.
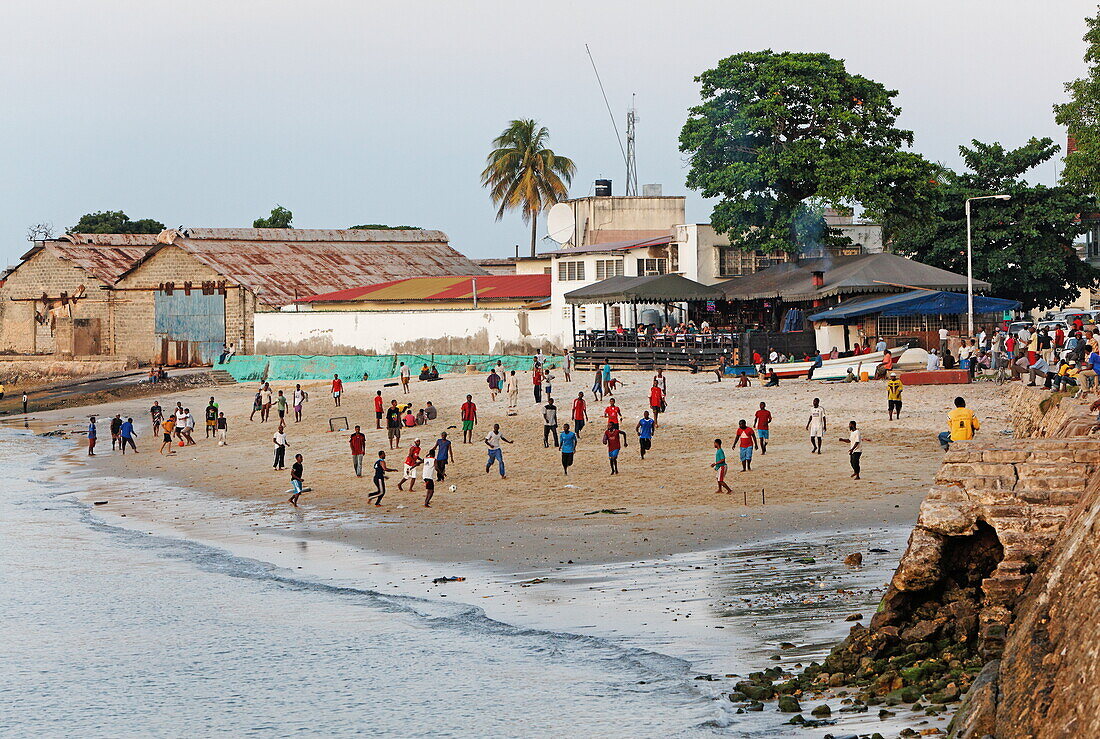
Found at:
(114, 222)
(1081, 117)
(1023, 246)
(280, 218)
(523, 173)
(775, 130)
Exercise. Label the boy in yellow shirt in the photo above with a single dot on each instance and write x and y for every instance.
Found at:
(893, 395)
(961, 424)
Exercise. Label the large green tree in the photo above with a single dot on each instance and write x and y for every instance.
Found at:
(1023, 246)
(523, 173)
(114, 222)
(1081, 117)
(280, 218)
(777, 131)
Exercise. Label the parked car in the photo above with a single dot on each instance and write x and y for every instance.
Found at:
(1052, 326)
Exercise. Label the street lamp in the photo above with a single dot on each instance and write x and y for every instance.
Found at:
(970, 263)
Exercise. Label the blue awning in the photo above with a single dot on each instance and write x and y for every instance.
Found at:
(914, 303)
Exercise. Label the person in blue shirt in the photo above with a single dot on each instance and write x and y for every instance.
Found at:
(127, 433)
(91, 436)
(568, 444)
(817, 360)
(645, 433)
(443, 454)
(607, 377)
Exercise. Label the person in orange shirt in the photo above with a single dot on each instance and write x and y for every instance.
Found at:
(656, 402)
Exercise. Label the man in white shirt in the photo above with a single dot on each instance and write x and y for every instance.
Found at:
(279, 438)
(855, 448)
(492, 440)
(428, 467)
(405, 374)
(817, 426)
(933, 362)
(943, 340)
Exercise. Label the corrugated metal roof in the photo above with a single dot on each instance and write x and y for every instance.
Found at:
(390, 235)
(616, 235)
(103, 256)
(489, 287)
(281, 265)
(613, 246)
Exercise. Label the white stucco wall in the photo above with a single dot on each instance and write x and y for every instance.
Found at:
(490, 331)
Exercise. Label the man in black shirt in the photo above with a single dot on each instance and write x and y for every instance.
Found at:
(393, 424)
(296, 481)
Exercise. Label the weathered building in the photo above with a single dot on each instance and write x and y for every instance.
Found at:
(177, 297)
(57, 300)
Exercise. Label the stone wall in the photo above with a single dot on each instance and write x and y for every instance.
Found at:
(45, 274)
(1044, 684)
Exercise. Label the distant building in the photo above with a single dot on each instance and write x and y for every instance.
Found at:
(176, 297)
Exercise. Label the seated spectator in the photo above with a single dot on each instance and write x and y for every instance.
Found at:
(408, 420)
(433, 373)
(421, 417)
(773, 379)
(430, 411)
(425, 373)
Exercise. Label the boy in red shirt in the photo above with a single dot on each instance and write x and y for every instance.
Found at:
(761, 424)
(656, 401)
(580, 413)
(613, 413)
(337, 389)
(746, 442)
(412, 461)
(469, 418)
(379, 409)
(614, 440)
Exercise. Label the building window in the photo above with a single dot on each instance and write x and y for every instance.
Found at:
(736, 262)
(609, 268)
(570, 271)
(674, 257)
(1092, 239)
(616, 316)
(582, 315)
(652, 267)
(546, 270)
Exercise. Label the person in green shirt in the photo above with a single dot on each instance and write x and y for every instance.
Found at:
(719, 467)
(281, 406)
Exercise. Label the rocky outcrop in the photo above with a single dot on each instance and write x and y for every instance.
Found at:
(980, 603)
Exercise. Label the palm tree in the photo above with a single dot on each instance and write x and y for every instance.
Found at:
(521, 172)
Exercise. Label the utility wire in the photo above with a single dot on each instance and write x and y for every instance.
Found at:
(609, 113)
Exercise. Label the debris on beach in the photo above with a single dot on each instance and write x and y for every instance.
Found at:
(855, 559)
(101, 502)
(533, 581)
(440, 580)
(55, 432)
(612, 511)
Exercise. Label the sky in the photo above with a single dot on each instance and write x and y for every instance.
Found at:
(208, 113)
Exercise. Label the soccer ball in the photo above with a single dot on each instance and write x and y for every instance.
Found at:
(453, 488)
(221, 443)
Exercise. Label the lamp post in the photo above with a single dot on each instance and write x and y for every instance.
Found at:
(970, 263)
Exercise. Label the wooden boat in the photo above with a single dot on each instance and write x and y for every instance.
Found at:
(832, 369)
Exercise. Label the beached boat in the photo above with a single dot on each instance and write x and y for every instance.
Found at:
(832, 369)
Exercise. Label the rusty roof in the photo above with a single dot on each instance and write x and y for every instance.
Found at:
(281, 265)
(103, 256)
(616, 235)
(489, 287)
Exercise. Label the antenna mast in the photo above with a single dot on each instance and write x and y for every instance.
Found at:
(630, 128)
(631, 165)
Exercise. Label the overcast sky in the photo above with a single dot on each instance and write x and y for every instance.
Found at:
(207, 113)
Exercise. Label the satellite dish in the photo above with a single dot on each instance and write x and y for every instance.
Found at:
(560, 223)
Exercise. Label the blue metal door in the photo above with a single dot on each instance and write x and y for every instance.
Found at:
(195, 321)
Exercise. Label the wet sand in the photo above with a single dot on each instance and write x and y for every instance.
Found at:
(536, 517)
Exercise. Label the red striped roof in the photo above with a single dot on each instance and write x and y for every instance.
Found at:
(489, 287)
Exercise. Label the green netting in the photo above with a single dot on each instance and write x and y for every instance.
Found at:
(253, 368)
(248, 368)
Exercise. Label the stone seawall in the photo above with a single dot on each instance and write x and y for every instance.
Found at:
(971, 607)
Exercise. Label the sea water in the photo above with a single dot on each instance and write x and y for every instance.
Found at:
(118, 630)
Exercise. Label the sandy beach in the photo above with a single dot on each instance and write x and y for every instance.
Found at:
(536, 517)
